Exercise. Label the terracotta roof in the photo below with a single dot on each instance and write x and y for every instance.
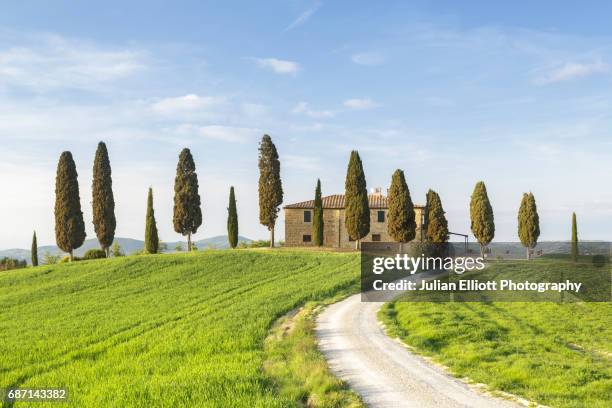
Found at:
(336, 201)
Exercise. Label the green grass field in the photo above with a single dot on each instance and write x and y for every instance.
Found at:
(555, 354)
(164, 330)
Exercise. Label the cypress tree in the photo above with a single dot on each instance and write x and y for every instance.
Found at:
(69, 225)
(232, 220)
(481, 216)
(528, 222)
(270, 186)
(151, 243)
(103, 201)
(437, 225)
(187, 212)
(34, 250)
(357, 208)
(574, 238)
(317, 219)
(401, 223)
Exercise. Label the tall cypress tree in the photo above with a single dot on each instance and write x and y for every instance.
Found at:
(574, 238)
(103, 201)
(187, 212)
(151, 238)
(481, 216)
(34, 250)
(317, 219)
(232, 220)
(436, 222)
(401, 223)
(270, 186)
(528, 222)
(357, 208)
(69, 225)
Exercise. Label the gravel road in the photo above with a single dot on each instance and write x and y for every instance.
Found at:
(380, 369)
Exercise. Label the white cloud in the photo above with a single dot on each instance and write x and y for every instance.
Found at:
(52, 62)
(573, 70)
(360, 104)
(224, 133)
(278, 66)
(369, 59)
(186, 103)
(303, 108)
(302, 18)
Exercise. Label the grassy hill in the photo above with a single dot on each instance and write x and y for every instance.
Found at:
(161, 330)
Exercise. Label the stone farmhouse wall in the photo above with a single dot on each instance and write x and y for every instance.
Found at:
(335, 235)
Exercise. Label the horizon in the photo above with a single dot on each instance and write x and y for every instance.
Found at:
(452, 94)
(451, 240)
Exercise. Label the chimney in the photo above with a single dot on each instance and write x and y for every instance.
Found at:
(377, 191)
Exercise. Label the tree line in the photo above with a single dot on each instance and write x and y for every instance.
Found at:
(187, 214)
(401, 223)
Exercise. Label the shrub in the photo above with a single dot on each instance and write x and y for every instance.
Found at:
(50, 259)
(259, 244)
(94, 254)
(10, 263)
(116, 250)
(66, 259)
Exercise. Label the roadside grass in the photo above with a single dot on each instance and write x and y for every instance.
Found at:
(163, 330)
(298, 368)
(556, 354)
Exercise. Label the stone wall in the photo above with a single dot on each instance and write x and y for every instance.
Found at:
(334, 231)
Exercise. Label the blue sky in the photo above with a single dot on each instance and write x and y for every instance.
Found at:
(517, 95)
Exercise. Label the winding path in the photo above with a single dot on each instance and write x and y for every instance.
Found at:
(381, 370)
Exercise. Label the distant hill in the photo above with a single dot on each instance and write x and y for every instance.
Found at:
(128, 245)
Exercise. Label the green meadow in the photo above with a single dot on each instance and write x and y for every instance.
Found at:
(235, 328)
(171, 330)
(556, 354)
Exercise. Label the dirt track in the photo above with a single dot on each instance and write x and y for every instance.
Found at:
(380, 369)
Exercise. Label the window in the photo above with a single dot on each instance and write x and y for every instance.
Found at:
(381, 216)
(307, 216)
(306, 238)
(376, 237)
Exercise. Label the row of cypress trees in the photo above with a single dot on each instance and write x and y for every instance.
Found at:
(483, 225)
(401, 223)
(69, 223)
(187, 214)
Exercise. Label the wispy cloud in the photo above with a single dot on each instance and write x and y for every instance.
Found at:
(573, 70)
(231, 134)
(368, 58)
(50, 62)
(304, 17)
(279, 66)
(360, 103)
(186, 103)
(304, 108)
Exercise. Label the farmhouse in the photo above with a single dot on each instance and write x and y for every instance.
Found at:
(298, 221)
